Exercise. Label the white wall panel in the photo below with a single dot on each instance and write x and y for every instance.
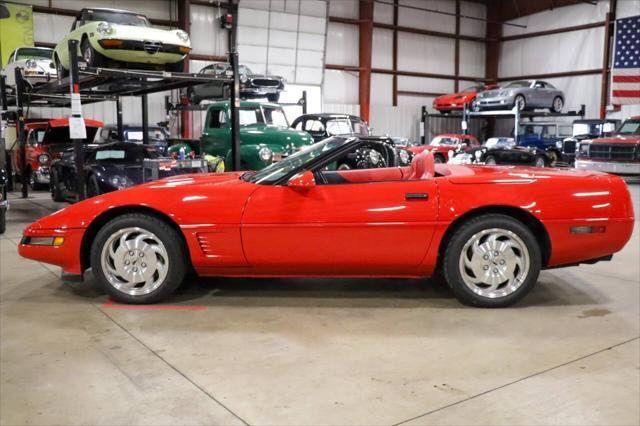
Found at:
(472, 58)
(207, 38)
(420, 84)
(577, 50)
(425, 53)
(382, 54)
(428, 20)
(342, 44)
(584, 89)
(340, 87)
(50, 28)
(383, 13)
(344, 8)
(472, 27)
(561, 17)
(402, 121)
(381, 89)
(316, 8)
(627, 8)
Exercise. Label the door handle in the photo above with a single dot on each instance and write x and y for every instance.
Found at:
(416, 196)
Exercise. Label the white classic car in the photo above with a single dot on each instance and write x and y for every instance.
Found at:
(106, 36)
(36, 63)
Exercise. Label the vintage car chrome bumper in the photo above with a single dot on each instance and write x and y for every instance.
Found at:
(41, 175)
(609, 167)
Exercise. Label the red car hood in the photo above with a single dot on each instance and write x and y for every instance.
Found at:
(631, 139)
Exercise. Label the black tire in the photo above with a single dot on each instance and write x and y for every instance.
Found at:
(93, 187)
(557, 104)
(439, 159)
(92, 57)
(520, 102)
(60, 70)
(176, 66)
(540, 161)
(274, 97)
(468, 230)
(553, 158)
(3, 220)
(490, 160)
(177, 253)
(55, 185)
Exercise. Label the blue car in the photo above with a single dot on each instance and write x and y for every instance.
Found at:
(544, 136)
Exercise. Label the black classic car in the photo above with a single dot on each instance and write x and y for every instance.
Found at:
(379, 151)
(502, 150)
(158, 136)
(321, 126)
(251, 85)
(586, 129)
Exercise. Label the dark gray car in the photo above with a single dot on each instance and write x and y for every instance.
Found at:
(525, 94)
(251, 85)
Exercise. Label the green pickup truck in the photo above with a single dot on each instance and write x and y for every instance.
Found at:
(265, 136)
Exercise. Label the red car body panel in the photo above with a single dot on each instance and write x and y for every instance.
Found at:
(32, 151)
(237, 228)
(457, 101)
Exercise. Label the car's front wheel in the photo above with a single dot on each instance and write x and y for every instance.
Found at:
(92, 57)
(520, 103)
(492, 261)
(138, 258)
(56, 187)
(540, 161)
(557, 104)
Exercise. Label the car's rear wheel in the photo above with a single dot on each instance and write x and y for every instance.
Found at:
(93, 187)
(56, 187)
(138, 258)
(520, 103)
(492, 261)
(553, 158)
(557, 104)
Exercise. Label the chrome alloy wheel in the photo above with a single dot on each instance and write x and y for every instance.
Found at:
(134, 261)
(494, 263)
(557, 104)
(87, 54)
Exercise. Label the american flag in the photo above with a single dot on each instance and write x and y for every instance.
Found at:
(625, 87)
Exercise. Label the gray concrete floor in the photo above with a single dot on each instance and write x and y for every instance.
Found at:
(318, 352)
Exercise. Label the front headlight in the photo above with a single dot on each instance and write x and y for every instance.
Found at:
(182, 35)
(244, 78)
(265, 154)
(559, 144)
(31, 63)
(405, 158)
(104, 28)
(503, 93)
(120, 182)
(43, 159)
(583, 148)
(374, 157)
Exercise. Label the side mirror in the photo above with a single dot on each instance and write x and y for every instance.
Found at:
(303, 181)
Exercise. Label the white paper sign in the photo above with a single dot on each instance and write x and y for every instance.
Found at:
(77, 130)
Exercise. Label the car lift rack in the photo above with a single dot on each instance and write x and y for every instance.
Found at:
(91, 85)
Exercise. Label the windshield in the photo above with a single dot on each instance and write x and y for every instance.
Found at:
(473, 89)
(277, 171)
(515, 84)
(440, 140)
(629, 128)
(339, 127)
(60, 135)
(117, 155)
(275, 116)
(538, 130)
(116, 18)
(33, 53)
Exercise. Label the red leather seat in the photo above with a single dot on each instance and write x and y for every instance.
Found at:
(422, 167)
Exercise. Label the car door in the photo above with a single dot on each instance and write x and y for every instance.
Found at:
(216, 134)
(346, 229)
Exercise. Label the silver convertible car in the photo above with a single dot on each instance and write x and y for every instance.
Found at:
(524, 94)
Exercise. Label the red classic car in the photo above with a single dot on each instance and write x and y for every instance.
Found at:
(46, 140)
(457, 101)
(442, 145)
(618, 154)
(489, 230)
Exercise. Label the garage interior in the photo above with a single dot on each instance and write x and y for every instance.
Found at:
(316, 351)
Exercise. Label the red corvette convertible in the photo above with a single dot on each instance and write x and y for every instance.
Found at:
(456, 101)
(488, 230)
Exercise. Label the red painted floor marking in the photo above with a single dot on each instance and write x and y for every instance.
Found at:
(112, 305)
